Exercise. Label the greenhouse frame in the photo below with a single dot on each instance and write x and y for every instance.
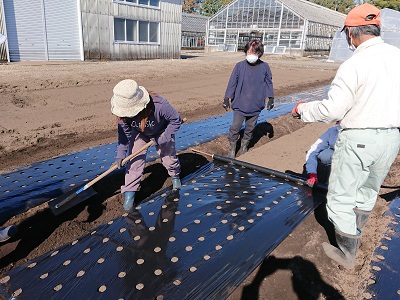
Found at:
(294, 27)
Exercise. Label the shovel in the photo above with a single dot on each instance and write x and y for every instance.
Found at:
(79, 194)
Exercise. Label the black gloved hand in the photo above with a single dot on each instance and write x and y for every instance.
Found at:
(226, 104)
(270, 104)
(118, 162)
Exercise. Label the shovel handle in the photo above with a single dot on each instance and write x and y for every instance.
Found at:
(113, 167)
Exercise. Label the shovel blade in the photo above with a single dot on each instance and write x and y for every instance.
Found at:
(64, 202)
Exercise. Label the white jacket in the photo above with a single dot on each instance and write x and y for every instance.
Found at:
(365, 92)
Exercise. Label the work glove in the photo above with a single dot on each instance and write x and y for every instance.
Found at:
(312, 179)
(118, 162)
(226, 104)
(295, 112)
(270, 104)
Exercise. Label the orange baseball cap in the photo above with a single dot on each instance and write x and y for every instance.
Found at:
(364, 14)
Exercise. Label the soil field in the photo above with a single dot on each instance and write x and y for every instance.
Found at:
(51, 109)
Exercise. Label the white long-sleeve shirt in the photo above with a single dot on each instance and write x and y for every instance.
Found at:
(365, 92)
(325, 141)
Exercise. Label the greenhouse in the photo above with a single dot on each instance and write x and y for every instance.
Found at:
(390, 33)
(294, 27)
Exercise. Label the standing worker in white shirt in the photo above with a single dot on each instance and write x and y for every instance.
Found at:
(365, 97)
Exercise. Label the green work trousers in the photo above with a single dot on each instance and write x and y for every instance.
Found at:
(360, 163)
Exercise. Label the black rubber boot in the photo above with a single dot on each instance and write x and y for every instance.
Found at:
(232, 150)
(244, 146)
(345, 255)
(362, 218)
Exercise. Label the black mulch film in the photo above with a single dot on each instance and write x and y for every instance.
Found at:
(195, 243)
(385, 282)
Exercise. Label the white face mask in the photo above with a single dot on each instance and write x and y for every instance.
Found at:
(350, 43)
(352, 47)
(251, 58)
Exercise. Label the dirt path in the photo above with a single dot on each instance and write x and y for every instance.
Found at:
(56, 108)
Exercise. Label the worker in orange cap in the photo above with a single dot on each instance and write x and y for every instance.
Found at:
(365, 97)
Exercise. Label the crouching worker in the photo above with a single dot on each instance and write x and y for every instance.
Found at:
(319, 156)
(141, 118)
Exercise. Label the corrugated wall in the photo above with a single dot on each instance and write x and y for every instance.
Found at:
(98, 30)
(3, 48)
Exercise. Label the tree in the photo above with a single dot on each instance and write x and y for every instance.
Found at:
(343, 6)
(392, 4)
(191, 6)
(210, 7)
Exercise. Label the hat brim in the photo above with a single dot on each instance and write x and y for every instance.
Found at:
(129, 112)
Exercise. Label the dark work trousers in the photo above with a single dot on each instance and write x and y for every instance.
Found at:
(250, 124)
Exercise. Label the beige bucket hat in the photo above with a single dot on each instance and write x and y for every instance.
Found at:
(129, 98)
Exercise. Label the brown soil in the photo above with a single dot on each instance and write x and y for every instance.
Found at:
(51, 109)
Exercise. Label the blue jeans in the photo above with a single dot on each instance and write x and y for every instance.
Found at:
(250, 124)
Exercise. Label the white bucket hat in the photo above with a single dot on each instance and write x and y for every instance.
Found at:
(129, 99)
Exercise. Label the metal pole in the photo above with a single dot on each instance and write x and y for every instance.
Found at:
(264, 170)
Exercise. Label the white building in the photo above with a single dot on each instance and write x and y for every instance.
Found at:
(90, 29)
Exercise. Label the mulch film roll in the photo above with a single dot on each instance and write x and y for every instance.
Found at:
(195, 243)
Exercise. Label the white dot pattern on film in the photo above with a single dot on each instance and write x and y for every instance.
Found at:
(67, 262)
(31, 265)
(102, 289)
(57, 287)
(376, 268)
(17, 293)
(80, 273)
(157, 272)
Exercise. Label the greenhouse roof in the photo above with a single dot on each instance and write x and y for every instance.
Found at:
(315, 13)
(194, 23)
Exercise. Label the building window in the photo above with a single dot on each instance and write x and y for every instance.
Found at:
(133, 31)
(154, 3)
